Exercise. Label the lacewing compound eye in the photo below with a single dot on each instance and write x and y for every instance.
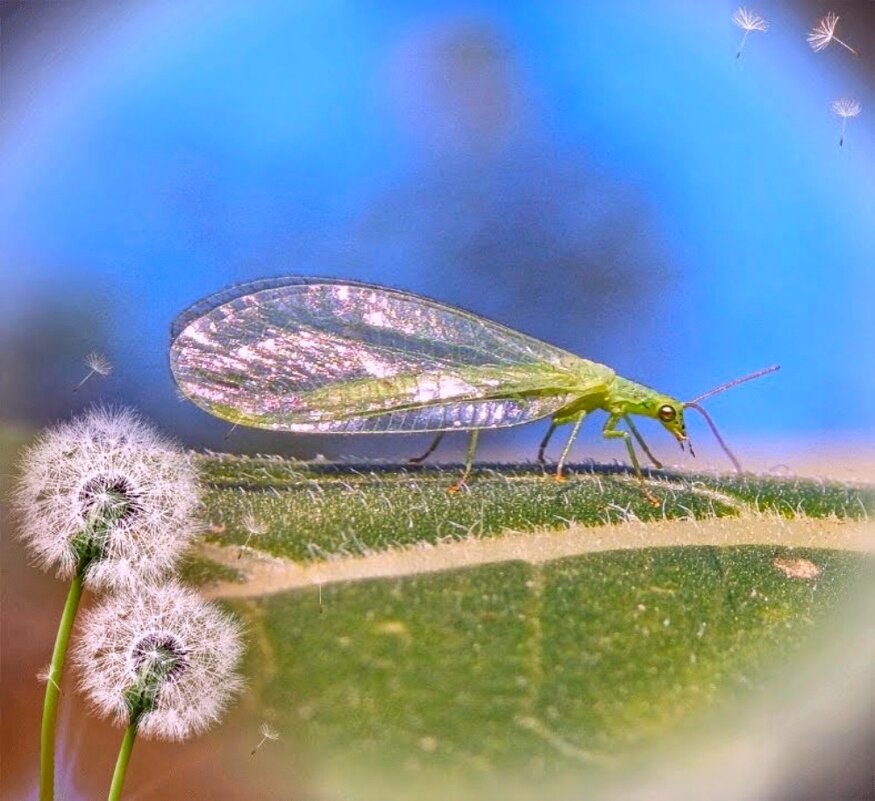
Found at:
(667, 413)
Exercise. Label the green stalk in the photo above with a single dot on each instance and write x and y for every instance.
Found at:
(53, 691)
(121, 765)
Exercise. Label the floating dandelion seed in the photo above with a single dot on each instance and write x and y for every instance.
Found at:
(748, 21)
(253, 527)
(824, 33)
(267, 732)
(97, 365)
(44, 676)
(161, 662)
(106, 501)
(845, 108)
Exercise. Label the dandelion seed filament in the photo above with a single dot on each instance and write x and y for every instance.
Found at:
(749, 21)
(846, 108)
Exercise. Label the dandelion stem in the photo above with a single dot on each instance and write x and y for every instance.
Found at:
(121, 764)
(53, 691)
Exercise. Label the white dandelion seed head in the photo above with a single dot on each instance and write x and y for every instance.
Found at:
(748, 20)
(195, 645)
(823, 33)
(106, 480)
(846, 107)
(268, 732)
(98, 363)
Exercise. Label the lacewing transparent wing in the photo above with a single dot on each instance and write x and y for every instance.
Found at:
(332, 356)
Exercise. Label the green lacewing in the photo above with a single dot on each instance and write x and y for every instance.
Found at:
(332, 356)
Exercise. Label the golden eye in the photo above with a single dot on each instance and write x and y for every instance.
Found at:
(667, 413)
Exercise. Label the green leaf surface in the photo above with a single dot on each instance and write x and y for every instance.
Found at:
(312, 512)
(520, 674)
(531, 671)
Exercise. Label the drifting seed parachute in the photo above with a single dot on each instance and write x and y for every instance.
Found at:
(823, 34)
(845, 109)
(749, 22)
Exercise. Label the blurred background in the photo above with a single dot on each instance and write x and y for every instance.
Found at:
(604, 175)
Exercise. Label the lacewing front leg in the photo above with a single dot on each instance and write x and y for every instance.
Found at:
(610, 432)
(656, 463)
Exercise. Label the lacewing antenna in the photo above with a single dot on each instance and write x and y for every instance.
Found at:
(734, 383)
(694, 404)
(700, 410)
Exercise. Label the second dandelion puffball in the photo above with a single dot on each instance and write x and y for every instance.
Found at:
(160, 658)
(107, 496)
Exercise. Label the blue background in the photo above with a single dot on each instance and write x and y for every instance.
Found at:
(603, 175)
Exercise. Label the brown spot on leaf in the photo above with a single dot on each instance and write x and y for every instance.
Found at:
(428, 744)
(394, 628)
(796, 567)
